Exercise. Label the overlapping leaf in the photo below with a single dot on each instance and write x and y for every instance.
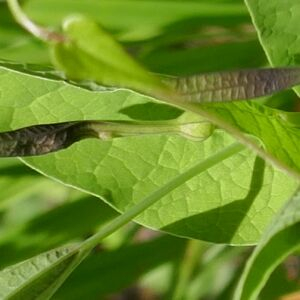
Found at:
(122, 171)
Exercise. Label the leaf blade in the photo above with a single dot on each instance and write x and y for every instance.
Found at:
(38, 277)
(280, 240)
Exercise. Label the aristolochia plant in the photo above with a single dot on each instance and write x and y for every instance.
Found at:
(187, 155)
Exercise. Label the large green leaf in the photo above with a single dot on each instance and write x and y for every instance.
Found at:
(125, 170)
(280, 240)
(210, 206)
(29, 100)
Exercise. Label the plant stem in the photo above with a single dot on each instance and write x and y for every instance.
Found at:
(193, 251)
(36, 30)
(158, 194)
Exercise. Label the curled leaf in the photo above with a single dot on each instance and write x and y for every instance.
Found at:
(36, 140)
(234, 85)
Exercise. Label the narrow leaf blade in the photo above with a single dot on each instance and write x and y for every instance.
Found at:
(40, 276)
(280, 240)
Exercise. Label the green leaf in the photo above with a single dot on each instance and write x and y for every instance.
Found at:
(121, 172)
(103, 60)
(38, 277)
(280, 240)
(26, 99)
(110, 271)
(128, 170)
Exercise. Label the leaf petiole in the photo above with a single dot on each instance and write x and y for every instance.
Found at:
(108, 130)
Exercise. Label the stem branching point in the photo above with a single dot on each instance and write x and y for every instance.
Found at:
(38, 31)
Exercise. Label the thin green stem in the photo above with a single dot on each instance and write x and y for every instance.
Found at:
(192, 254)
(158, 194)
(35, 29)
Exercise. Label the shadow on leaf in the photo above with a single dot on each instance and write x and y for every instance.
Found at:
(225, 220)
